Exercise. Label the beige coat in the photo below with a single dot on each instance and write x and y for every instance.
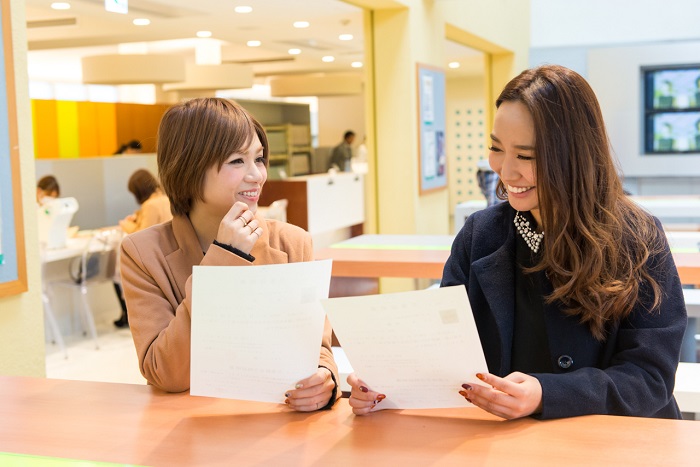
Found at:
(156, 266)
(155, 210)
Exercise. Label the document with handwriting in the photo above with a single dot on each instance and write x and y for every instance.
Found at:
(256, 330)
(417, 348)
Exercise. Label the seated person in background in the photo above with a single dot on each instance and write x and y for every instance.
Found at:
(341, 157)
(573, 287)
(47, 189)
(154, 205)
(488, 181)
(154, 209)
(212, 162)
(132, 147)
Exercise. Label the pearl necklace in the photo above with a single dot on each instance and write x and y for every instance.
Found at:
(532, 239)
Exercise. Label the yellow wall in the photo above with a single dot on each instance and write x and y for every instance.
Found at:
(465, 136)
(21, 316)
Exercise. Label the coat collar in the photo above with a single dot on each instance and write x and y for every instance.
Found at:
(496, 276)
(189, 251)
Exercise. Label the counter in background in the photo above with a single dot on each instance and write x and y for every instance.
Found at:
(321, 204)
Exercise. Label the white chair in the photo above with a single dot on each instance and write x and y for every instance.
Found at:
(277, 210)
(49, 314)
(97, 264)
(54, 220)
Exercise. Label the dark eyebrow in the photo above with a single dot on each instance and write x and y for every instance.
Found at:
(518, 146)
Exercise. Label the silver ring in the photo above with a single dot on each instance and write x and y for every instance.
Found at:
(257, 233)
(245, 222)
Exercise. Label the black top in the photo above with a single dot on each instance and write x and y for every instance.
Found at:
(530, 352)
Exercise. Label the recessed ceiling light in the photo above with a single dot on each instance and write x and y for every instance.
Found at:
(142, 22)
(253, 43)
(60, 6)
(294, 51)
(301, 24)
(328, 58)
(356, 64)
(453, 64)
(345, 37)
(243, 9)
(203, 33)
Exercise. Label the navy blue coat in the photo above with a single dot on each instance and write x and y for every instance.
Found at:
(631, 373)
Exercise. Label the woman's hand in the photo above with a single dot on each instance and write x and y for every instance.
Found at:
(362, 400)
(312, 393)
(515, 396)
(239, 228)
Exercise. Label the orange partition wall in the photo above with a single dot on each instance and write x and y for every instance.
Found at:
(85, 129)
(139, 121)
(106, 116)
(96, 129)
(67, 123)
(45, 129)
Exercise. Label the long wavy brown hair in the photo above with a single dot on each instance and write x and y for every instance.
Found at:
(597, 242)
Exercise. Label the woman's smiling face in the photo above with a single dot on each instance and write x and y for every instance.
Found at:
(512, 155)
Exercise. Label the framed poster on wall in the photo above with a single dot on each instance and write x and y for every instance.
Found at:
(432, 160)
(13, 274)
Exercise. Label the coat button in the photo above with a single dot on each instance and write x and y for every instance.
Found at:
(565, 362)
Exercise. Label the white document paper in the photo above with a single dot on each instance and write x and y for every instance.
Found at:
(417, 348)
(256, 330)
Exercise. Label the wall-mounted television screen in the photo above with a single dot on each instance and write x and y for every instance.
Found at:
(672, 109)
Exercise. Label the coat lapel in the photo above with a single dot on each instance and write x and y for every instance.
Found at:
(188, 254)
(496, 278)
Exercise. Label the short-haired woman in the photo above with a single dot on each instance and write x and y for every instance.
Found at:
(212, 161)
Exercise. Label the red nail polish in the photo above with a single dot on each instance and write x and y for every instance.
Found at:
(469, 400)
(286, 394)
(467, 387)
(364, 389)
(463, 394)
(381, 397)
(480, 376)
(286, 401)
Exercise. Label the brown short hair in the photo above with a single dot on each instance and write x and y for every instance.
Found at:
(142, 184)
(194, 136)
(49, 184)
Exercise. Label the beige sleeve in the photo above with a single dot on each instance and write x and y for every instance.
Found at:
(160, 326)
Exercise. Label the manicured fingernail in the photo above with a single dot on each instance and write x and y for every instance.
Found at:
(380, 397)
(299, 386)
(480, 376)
(465, 386)
(463, 393)
(286, 394)
(372, 406)
(468, 400)
(286, 401)
(364, 389)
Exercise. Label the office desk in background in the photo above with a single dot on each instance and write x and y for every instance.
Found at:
(140, 425)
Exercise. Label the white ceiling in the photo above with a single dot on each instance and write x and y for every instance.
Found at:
(90, 30)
